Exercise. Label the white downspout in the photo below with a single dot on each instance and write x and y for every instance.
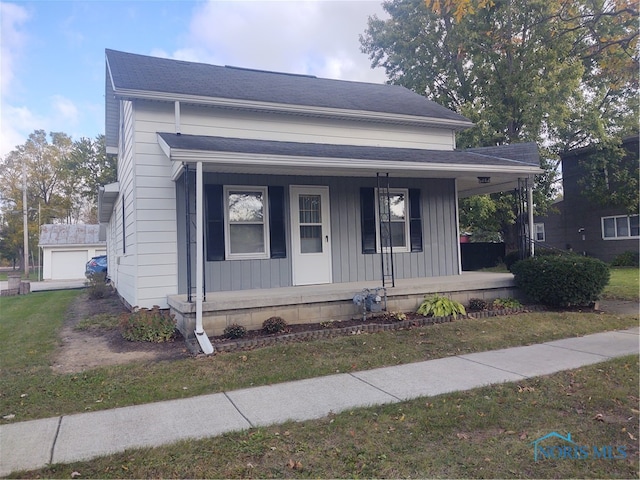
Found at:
(203, 339)
(530, 204)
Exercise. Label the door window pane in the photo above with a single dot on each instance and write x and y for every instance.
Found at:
(310, 209)
(310, 239)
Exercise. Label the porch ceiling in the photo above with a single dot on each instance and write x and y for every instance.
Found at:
(247, 156)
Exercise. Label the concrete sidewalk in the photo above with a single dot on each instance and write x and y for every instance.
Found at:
(34, 444)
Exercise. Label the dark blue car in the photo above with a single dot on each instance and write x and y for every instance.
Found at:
(97, 265)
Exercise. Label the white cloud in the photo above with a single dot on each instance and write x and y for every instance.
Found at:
(12, 41)
(64, 109)
(309, 37)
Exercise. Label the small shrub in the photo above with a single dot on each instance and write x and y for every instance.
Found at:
(477, 305)
(148, 325)
(97, 286)
(562, 281)
(234, 331)
(327, 324)
(501, 303)
(440, 306)
(274, 325)
(397, 316)
(627, 259)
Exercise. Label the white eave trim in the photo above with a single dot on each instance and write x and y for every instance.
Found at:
(296, 109)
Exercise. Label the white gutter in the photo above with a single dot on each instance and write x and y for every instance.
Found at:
(203, 339)
(294, 109)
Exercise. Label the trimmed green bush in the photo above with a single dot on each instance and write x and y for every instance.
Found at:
(235, 331)
(148, 325)
(627, 259)
(98, 286)
(502, 303)
(274, 325)
(561, 281)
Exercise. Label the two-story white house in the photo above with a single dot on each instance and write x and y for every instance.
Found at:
(284, 192)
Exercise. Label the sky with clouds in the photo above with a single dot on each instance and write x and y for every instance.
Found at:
(52, 52)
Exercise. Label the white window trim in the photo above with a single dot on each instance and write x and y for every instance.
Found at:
(615, 217)
(396, 249)
(265, 223)
(544, 234)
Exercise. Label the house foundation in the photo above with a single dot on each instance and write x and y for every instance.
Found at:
(323, 303)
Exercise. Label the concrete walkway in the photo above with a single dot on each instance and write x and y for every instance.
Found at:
(34, 444)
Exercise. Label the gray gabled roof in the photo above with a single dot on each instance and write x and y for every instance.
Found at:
(64, 234)
(139, 76)
(131, 72)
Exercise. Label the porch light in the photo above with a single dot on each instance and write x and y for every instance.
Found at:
(484, 179)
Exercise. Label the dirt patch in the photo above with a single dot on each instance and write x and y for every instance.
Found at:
(86, 349)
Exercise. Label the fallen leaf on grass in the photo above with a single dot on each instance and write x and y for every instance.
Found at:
(631, 436)
(599, 417)
(462, 436)
(523, 436)
(75, 474)
(294, 465)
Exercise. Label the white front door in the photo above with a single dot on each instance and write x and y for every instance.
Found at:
(310, 235)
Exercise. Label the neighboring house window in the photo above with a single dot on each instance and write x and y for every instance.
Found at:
(244, 222)
(621, 226)
(538, 228)
(403, 206)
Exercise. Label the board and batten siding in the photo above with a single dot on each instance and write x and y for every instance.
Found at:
(439, 232)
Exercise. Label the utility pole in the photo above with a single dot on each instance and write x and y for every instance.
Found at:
(25, 225)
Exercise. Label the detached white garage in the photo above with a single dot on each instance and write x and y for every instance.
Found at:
(67, 248)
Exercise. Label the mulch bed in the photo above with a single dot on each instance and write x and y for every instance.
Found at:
(373, 323)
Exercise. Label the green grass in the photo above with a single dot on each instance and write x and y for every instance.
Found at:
(624, 284)
(31, 390)
(29, 327)
(481, 433)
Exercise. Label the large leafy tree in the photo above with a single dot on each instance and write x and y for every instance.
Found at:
(62, 179)
(562, 73)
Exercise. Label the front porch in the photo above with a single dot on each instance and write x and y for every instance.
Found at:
(334, 301)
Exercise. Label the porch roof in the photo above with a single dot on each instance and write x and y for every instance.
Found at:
(503, 165)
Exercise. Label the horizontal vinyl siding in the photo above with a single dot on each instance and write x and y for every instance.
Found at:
(156, 231)
(200, 120)
(349, 264)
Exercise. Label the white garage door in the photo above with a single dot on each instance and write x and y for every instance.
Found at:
(68, 264)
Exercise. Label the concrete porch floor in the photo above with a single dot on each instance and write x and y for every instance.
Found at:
(315, 303)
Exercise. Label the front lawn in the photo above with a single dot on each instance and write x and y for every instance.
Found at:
(481, 433)
(624, 284)
(31, 390)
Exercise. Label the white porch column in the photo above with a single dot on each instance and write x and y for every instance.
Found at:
(530, 212)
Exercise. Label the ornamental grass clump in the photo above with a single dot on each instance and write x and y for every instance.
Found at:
(440, 306)
(148, 325)
(562, 281)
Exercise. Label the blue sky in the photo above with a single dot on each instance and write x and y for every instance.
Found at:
(52, 52)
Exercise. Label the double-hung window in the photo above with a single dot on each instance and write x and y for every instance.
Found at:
(538, 229)
(247, 222)
(621, 226)
(392, 220)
